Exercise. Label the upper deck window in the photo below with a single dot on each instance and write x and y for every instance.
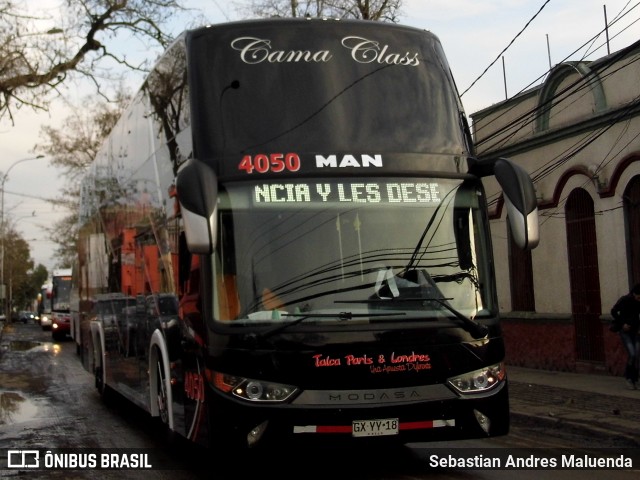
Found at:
(321, 86)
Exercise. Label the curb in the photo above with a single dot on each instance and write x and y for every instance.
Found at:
(596, 435)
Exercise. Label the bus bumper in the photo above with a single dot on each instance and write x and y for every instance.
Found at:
(453, 419)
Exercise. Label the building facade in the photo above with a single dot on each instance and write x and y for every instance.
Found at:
(578, 136)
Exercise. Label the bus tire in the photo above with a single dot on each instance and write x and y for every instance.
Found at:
(162, 402)
(161, 394)
(103, 389)
(99, 380)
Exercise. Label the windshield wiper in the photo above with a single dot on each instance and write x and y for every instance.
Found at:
(304, 316)
(476, 330)
(416, 250)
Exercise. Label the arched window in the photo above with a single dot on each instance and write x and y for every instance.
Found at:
(584, 276)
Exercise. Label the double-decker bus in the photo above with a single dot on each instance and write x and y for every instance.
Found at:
(292, 220)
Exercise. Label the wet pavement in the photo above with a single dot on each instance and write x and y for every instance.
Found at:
(598, 408)
(15, 406)
(48, 403)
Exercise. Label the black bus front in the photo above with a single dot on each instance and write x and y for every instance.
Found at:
(346, 284)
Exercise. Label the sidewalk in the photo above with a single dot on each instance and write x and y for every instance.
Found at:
(597, 407)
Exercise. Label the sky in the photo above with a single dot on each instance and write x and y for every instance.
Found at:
(495, 48)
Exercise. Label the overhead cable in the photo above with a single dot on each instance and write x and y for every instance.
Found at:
(506, 48)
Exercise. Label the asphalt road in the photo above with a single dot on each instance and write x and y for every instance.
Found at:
(48, 402)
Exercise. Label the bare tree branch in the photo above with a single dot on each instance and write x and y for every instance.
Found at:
(380, 10)
(37, 54)
(72, 146)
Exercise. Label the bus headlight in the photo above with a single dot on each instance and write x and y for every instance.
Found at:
(478, 381)
(252, 390)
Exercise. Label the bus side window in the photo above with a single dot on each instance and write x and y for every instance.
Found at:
(190, 306)
(184, 264)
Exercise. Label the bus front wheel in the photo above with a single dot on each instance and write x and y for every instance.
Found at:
(99, 379)
(162, 397)
(102, 388)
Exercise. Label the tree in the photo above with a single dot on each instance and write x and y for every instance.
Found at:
(17, 263)
(73, 144)
(381, 10)
(37, 55)
(72, 147)
(27, 291)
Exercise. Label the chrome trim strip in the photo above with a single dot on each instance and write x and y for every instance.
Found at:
(425, 393)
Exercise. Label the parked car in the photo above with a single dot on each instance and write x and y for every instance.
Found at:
(26, 317)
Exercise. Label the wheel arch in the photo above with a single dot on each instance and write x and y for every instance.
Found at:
(158, 351)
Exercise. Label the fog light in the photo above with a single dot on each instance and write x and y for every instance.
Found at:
(256, 433)
(483, 421)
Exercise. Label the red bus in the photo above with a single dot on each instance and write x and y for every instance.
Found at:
(60, 298)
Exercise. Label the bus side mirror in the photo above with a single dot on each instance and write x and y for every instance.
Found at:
(461, 229)
(197, 191)
(520, 199)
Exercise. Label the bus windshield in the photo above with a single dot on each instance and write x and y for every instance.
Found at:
(322, 91)
(377, 249)
(61, 293)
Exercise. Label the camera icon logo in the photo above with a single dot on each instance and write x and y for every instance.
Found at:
(23, 459)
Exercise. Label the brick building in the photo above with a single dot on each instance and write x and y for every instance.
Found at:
(578, 136)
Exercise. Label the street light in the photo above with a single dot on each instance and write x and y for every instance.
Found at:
(2, 230)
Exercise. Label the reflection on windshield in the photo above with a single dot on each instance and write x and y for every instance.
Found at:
(329, 258)
(321, 105)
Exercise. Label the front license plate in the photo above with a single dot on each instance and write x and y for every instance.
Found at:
(375, 428)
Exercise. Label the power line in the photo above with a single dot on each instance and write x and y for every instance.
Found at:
(506, 48)
(554, 213)
(224, 13)
(616, 19)
(35, 197)
(546, 169)
(569, 92)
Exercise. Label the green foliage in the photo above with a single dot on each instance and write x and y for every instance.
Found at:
(22, 280)
(27, 291)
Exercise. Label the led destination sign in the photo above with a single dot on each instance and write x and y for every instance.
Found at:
(348, 192)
